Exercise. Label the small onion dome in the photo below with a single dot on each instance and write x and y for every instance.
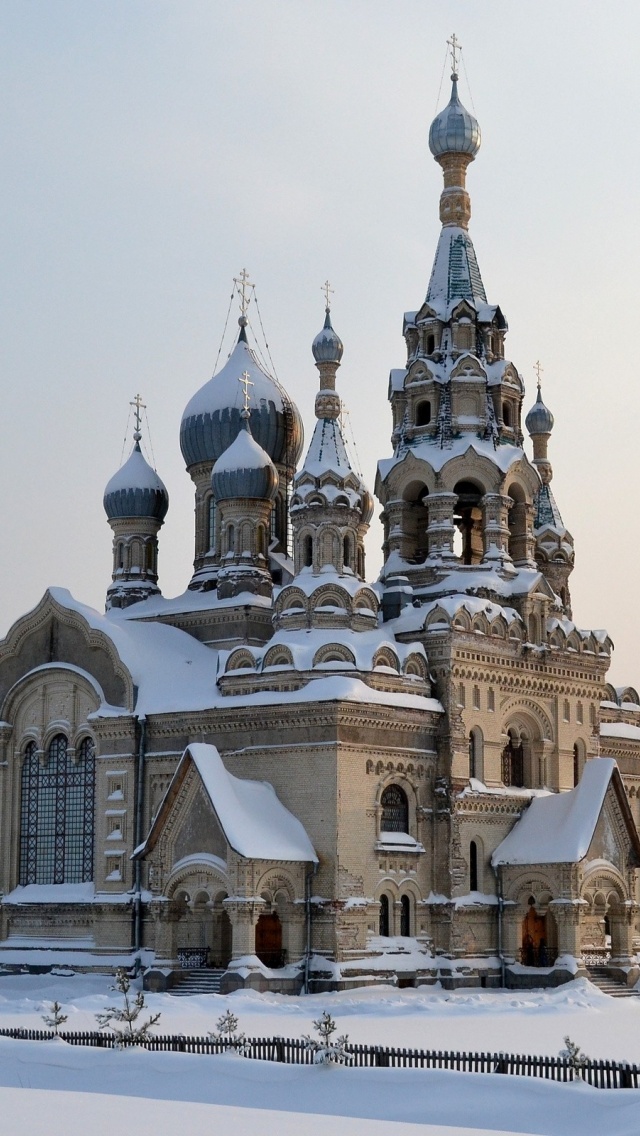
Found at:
(136, 490)
(454, 130)
(244, 469)
(539, 420)
(211, 419)
(327, 346)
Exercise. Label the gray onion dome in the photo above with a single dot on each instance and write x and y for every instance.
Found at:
(211, 419)
(136, 490)
(454, 130)
(244, 469)
(539, 420)
(327, 346)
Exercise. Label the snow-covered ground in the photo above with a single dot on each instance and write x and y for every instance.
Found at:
(54, 1088)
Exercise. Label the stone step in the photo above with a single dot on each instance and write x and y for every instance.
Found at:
(600, 977)
(201, 981)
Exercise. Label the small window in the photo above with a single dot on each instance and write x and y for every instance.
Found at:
(384, 915)
(473, 866)
(476, 698)
(506, 414)
(346, 552)
(431, 344)
(395, 810)
(423, 413)
(121, 555)
(461, 695)
(567, 711)
(491, 700)
(308, 551)
(576, 765)
(231, 539)
(211, 522)
(579, 713)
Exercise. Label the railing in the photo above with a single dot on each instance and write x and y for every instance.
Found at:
(192, 958)
(292, 1051)
(537, 956)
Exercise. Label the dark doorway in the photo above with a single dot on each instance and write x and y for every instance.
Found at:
(384, 915)
(269, 940)
(513, 763)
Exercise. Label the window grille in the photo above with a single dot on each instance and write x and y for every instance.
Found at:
(395, 810)
(57, 814)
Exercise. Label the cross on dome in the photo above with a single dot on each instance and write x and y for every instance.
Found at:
(328, 292)
(245, 382)
(138, 406)
(243, 284)
(538, 368)
(456, 47)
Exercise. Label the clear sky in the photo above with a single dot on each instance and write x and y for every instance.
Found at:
(151, 149)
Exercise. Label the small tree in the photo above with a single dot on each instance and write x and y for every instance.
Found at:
(55, 1018)
(129, 1030)
(574, 1057)
(325, 1050)
(227, 1032)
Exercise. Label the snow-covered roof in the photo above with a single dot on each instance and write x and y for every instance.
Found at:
(254, 821)
(136, 490)
(428, 449)
(455, 275)
(171, 670)
(559, 828)
(623, 730)
(304, 643)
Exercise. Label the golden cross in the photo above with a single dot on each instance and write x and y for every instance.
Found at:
(243, 283)
(139, 407)
(456, 46)
(245, 382)
(538, 368)
(328, 292)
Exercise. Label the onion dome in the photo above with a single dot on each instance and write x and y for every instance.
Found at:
(539, 420)
(244, 469)
(454, 130)
(327, 346)
(136, 490)
(212, 418)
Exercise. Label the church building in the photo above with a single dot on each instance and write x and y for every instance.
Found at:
(291, 778)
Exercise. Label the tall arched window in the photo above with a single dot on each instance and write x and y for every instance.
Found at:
(57, 812)
(513, 761)
(384, 915)
(211, 522)
(395, 810)
(308, 551)
(476, 754)
(231, 539)
(473, 866)
(405, 916)
(346, 552)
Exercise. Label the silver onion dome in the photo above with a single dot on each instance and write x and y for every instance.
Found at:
(136, 490)
(454, 130)
(539, 420)
(327, 346)
(212, 419)
(244, 469)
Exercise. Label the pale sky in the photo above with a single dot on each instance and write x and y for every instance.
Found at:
(151, 149)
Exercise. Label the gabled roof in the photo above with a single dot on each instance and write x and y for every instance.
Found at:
(254, 821)
(559, 828)
(455, 275)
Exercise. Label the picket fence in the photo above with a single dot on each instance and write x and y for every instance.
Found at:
(292, 1051)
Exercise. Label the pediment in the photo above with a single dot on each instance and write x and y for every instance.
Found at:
(468, 366)
(615, 837)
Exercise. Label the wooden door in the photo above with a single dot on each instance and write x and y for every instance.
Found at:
(269, 940)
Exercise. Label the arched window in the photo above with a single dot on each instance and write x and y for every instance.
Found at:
(261, 547)
(473, 866)
(431, 344)
(476, 754)
(231, 539)
(405, 916)
(57, 811)
(468, 520)
(308, 551)
(506, 414)
(513, 761)
(149, 553)
(423, 413)
(120, 555)
(395, 810)
(384, 915)
(346, 552)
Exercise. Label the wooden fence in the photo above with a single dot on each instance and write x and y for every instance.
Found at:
(292, 1051)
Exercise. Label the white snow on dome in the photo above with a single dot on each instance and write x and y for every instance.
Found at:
(136, 473)
(224, 390)
(243, 453)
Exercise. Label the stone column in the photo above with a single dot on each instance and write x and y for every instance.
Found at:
(441, 528)
(621, 921)
(567, 915)
(496, 527)
(244, 914)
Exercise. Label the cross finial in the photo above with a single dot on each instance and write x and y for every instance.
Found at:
(456, 48)
(538, 368)
(245, 382)
(138, 406)
(328, 292)
(243, 284)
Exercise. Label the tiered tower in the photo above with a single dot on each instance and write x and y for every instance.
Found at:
(136, 503)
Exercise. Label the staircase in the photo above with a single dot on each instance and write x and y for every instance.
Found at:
(601, 978)
(200, 981)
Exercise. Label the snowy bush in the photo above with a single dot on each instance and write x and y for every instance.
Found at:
(123, 1020)
(573, 1055)
(325, 1050)
(227, 1032)
(55, 1018)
